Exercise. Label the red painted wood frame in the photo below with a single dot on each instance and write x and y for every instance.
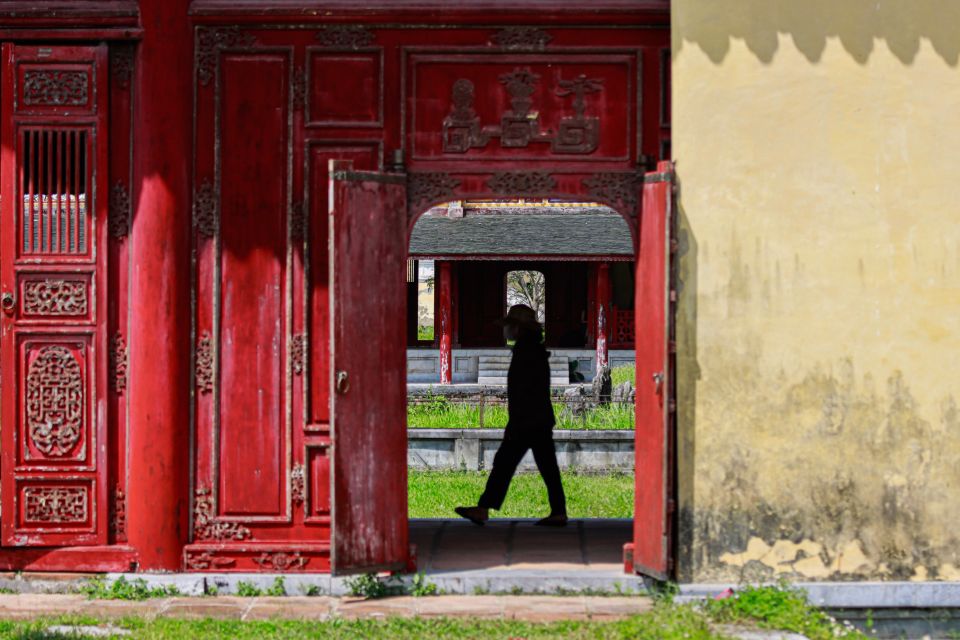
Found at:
(469, 111)
(368, 369)
(66, 134)
(652, 523)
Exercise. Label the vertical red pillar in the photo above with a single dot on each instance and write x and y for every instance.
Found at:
(159, 345)
(603, 313)
(445, 319)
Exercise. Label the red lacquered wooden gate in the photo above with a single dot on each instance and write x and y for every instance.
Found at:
(368, 215)
(287, 475)
(53, 274)
(651, 523)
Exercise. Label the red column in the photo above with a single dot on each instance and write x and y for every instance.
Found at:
(159, 345)
(444, 320)
(603, 313)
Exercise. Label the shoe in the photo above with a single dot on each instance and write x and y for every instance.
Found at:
(471, 514)
(559, 520)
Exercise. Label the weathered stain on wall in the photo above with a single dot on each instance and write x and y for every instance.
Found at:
(818, 325)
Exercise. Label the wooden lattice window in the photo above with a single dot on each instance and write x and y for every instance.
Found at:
(54, 165)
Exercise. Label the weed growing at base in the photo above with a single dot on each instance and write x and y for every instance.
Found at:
(122, 589)
(783, 608)
(250, 590)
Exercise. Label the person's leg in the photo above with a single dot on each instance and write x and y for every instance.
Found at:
(545, 455)
(505, 464)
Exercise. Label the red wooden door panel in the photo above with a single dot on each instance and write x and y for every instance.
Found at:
(651, 525)
(53, 280)
(368, 369)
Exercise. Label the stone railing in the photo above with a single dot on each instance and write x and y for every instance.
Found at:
(473, 449)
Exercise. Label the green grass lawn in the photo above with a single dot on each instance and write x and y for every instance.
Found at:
(664, 623)
(440, 413)
(434, 494)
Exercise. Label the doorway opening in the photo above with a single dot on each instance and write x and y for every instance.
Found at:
(573, 263)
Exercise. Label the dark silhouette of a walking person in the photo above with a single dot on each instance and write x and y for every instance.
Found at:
(529, 424)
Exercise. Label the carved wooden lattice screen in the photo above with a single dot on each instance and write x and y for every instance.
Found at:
(52, 265)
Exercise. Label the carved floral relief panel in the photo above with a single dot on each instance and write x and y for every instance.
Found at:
(55, 296)
(46, 505)
(55, 402)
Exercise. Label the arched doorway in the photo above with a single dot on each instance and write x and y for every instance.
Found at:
(369, 532)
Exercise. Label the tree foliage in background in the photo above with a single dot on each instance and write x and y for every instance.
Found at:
(529, 288)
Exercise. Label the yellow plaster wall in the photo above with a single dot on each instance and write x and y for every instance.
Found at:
(818, 151)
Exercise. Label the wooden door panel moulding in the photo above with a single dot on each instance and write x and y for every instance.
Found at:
(122, 61)
(428, 12)
(357, 74)
(94, 559)
(521, 38)
(211, 42)
(250, 557)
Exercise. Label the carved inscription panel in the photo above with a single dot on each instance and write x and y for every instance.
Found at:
(523, 106)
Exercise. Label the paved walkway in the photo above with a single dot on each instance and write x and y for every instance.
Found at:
(445, 546)
(529, 608)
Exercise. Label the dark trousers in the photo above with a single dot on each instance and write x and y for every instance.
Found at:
(509, 455)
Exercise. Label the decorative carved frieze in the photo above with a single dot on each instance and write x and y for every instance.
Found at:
(204, 363)
(519, 126)
(620, 190)
(209, 44)
(298, 97)
(281, 561)
(205, 217)
(345, 37)
(118, 363)
(206, 560)
(522, 183)
(55, 297)
(205, 523)
(521, 39)
(54, 401)
(298, 487)
(121, 65)
(119, 210)
(55, 88)
(53, 505)
(430, 188)
(297, 221)
(298, 353)
(118, 513)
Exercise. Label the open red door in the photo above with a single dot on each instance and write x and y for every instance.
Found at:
(651, 525)
(368, 369)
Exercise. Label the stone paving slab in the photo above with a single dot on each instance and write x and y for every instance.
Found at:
(292, 608)
(31, 605)
(528, 608)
